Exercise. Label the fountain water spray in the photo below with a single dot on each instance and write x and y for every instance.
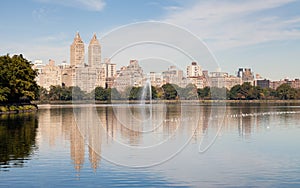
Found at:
(146, 105)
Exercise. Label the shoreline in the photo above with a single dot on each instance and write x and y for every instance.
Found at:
(200, 102)
(26, 108)
(15, 108)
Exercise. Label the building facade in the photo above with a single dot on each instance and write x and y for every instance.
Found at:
(155, 79)
(129, 76)
(231, 81)
(94, 52)
(77, 51)
(48, 75)
(293, 83)
(193, 70)
(174, 76)
(263, 83)
(246, 75)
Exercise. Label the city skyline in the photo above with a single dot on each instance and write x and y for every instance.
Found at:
(251, 34)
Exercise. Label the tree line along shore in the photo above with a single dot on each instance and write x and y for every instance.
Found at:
(244, 92)
(18, 89)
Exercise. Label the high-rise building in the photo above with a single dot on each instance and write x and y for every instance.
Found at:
(173, 76)
(85, 78)
(110, 68)
(246, 75)
(129, 76)
(155, 79)
(198, 81)
(293, 83)
(217, 79)
(107, 73)
(223, 79)
(195, 75)
(48, 75)
(94, 52)
(77, 51)
(231, 81)
(296, 83)
(263, 83)
(38, 65)
(194, 70)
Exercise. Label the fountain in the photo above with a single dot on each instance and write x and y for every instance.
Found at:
(146, 106)
(146, 94)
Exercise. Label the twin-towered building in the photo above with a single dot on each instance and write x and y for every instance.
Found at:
(77, 52)
(78, 73)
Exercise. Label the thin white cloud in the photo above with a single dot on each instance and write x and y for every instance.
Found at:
(39, 14)
(96, 5)
(230, 24)
(173, 8)
(58, 37)
(91, 5)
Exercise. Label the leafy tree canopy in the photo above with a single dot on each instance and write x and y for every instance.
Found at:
(17, 79)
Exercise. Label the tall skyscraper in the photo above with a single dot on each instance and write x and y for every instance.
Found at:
(77, 51)
(94, 52)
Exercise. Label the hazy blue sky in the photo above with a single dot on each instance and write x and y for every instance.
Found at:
(262, 35)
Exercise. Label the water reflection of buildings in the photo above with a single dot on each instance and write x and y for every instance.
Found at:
(77, 146)
(108, 125)
(249, 119)
(243, 119)
(57, 125)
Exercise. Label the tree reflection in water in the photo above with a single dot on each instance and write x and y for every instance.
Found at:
(17, 139)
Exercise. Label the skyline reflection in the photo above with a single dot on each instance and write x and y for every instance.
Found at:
(96, 130)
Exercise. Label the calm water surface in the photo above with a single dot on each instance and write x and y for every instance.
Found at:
(157, 146)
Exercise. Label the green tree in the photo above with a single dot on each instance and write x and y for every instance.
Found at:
(255, 92)
(285, 92)
(170, 91)
(189, 92)
(234, 92)
(204, 93)
(114, 94)
(4, 93)
(55, 93)
(154, 92)
(244, 91)
(218, 93)
(101, 94)
(160, 93)
(268, 93)
(77, 93)
(42, 94)
(65, 93)
(135, 93)
(17, 79)
(298, 94)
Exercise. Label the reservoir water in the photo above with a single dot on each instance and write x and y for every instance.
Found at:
(151, 145)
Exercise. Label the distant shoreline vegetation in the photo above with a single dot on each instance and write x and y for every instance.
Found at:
(171, 92)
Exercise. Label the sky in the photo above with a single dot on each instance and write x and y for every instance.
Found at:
(262, 35)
